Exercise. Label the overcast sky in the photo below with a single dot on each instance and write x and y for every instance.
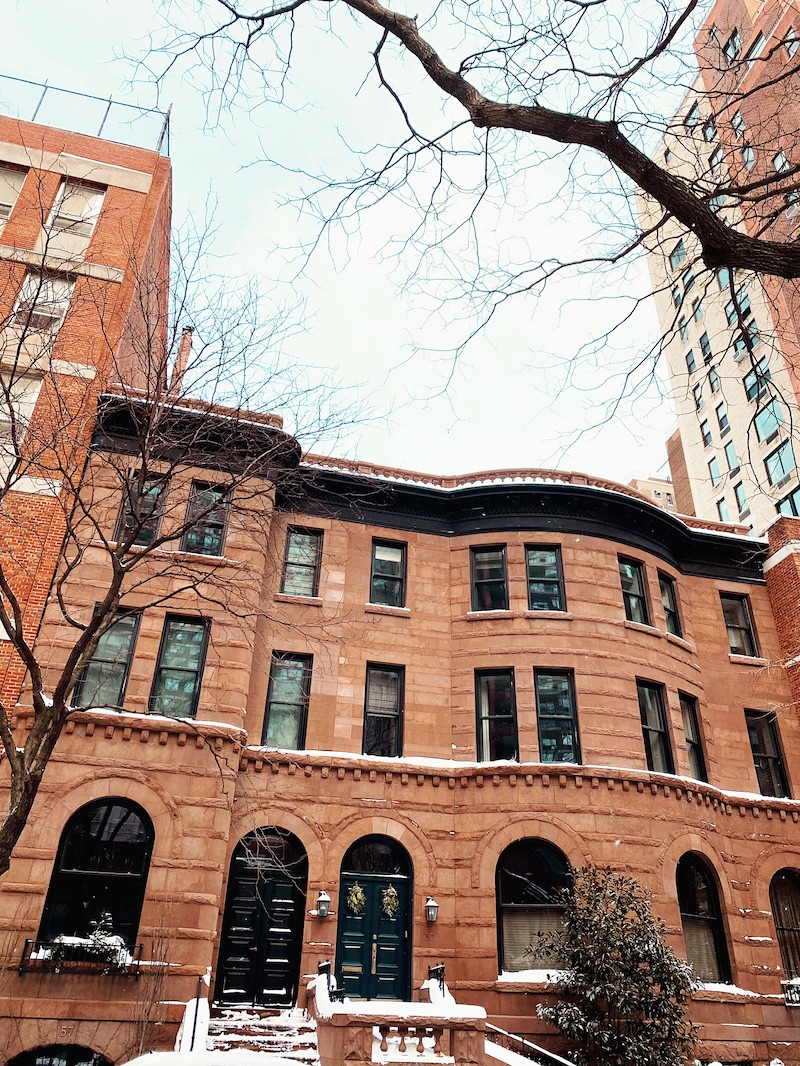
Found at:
(505, 402)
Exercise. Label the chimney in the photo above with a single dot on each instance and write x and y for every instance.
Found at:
(182, 362)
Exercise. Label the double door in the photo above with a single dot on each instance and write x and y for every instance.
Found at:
(374, 948)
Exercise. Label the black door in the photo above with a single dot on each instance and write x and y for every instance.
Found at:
(374, 947)
(262, 932)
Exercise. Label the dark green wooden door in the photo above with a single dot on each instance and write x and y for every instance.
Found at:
(262, 933)
(373, 951)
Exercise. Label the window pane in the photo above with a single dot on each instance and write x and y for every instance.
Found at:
(767, 757)
(544, 579)
(103, 681)
(301, 566)
(654, 728)
(631, 576)
(691, 730)
(489, 591)
(558, 727)
(784, 894)
(206, 510)
(736, 612)
(176, 685)
(77, 208)
(287, 701)
(383, 711)
(669, 601)
(497, 716)
(388, 574)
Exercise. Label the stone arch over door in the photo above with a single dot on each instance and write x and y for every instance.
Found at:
(376, 891)
(60, 1055)
(262, 928)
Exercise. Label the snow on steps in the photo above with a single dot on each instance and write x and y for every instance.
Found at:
(290, 1034)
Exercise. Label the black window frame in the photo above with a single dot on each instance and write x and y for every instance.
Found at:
(693, 736)
(477, 584)
(722, 506)
(574, 745)
(777, 476)
(376, 578)
(314, 569)
(741, 499)
(631, 599)
(205, 625)
(731, 458)
(768, 764)
(214, 523)
(786, 919)
(63, 914)
(691, 362)
(714, 472)
(556, 583)
(705, 433)
(721, 411)
(483, 720)
(773, 413)
(701, 910)
(662, 745)
(395, 715)
(530, 878)
(150, 527)
(668, 587)
(306, 663)
(96, 660)
(705, 347)
(746, 627)
(790, 505)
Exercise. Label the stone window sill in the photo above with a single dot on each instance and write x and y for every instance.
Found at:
(488, 616)
(680, 642)
(302, 601)
(566, 616)
(386, 609)
(747, 660)
(640, 627)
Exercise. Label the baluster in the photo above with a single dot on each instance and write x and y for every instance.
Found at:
(384, 1031)
(402, 1032)
(438, 1033)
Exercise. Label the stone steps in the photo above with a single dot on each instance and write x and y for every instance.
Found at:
(290, 1034)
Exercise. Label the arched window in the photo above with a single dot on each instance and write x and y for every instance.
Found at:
(60, 1055)
(703, 931)
(784, 896)
(531, 875)
(100, 872)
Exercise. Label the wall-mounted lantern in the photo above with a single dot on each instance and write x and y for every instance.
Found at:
(431, 909)
(323, 904)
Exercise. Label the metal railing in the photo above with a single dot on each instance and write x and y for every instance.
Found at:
(93, 116)
(526, 1048)
(52, 956)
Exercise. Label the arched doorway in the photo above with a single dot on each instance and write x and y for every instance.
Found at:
(60, 1055)
(373, 952)
(262, 930)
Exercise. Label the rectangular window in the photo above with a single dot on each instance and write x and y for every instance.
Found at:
(42, 302)
(713, 380)
(781, 162)
(654, 727)
(791, 42)
(723, 277)
(730, 457)
(747, 341)
(748, 155)
(683, 327)
(739, 624)
(755, 380)
(763, 733)
(717, 202)
(77, 208)
(768, 420)
(705, 347)
(791, 504)
(709, 129)
(557, 716)
(206, 515)
(741, 500)
(697, 392)
(714, 471)
(677, 295)
(722, 419)
(142, 508)
(497, 715)
(631, 576)
(301, 562)
(738, 309)
(722, 511)
(287, 701)
(780, 463)
(691, 730)
(387, 584)
(489, 579)
(693, 117)
(687, 277)
(697, 309)
(716, 158)
(103, 681)
(691, 364)
(11, 182)
(677, 255)
(705, 432)
(738, 124)
(383, 711)
(669, 600)
(755, 49)
(179, 670)
(732, 47)
(545, 578)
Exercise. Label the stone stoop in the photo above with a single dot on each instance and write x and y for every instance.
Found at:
(290, 1034)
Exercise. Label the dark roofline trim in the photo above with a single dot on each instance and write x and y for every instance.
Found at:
(546, 507)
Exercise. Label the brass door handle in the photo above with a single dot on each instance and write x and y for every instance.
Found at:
(374, 957)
